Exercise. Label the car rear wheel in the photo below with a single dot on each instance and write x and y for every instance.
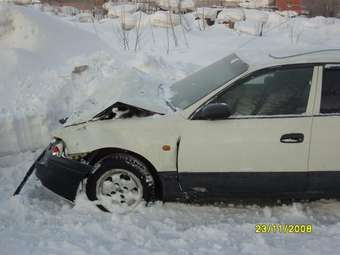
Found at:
(120, 183)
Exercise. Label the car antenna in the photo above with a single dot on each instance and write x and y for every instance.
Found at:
(303, 54)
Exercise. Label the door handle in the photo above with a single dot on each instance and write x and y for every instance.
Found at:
(292, 138)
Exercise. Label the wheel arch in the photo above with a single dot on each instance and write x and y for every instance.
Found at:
(98, 154)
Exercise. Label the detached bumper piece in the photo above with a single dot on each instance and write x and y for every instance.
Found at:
(60, 175)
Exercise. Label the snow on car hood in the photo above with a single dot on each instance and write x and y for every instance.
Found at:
(130, 87)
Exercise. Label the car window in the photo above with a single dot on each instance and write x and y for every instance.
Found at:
(330, 99)
(281, 91)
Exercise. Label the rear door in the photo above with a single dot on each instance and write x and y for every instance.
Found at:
(324, 162)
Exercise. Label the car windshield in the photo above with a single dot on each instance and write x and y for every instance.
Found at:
(198, 85)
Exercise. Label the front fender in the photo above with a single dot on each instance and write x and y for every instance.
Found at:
(145, 137)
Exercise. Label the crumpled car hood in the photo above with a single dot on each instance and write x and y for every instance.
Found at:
(119, 110)
(129, 86)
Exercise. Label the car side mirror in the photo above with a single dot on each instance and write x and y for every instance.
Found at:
(215, 111)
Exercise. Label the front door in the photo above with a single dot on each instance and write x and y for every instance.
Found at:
(263, 147)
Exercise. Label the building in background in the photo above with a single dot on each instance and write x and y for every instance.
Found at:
(289, 5)
(327, 8)
(79, 4)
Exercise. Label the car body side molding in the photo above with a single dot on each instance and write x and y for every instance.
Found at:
(222, 186)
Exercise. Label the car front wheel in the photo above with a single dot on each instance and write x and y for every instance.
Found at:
(120, 183)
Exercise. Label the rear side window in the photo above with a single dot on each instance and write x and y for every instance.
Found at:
(330, 99)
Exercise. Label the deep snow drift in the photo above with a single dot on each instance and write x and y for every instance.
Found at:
(39, 53)
(34, 56)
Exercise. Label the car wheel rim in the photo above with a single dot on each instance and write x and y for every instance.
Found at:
(119, 188)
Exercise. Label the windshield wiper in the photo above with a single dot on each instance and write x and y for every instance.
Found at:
(162, 95)
(170, 105)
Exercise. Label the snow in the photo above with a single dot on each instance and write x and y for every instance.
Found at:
(18, 1)
(30, 62)
(43, 50)
(39, 51)
(164, 19)
(6, 21)
(290, 14)
(231, 15)
(38, 54)
(129, 22)
(176, 5)
(257, 16)
(239, 15)
(116, 11)
(36, 222)
(249, 27)
(207, 13)
(84, 17)
(255, 3)
(68, 11)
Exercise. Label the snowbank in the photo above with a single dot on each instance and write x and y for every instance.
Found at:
(34, 56)
(6, 21)
(207, 13)
(46, 36)
(38, 57)
(85, 17)
(176, 5)
(164, 19)
(288, 14)
(67, 11)
(116, 11)
(23, 33)
(247, 21)
(274, 20)
(128, 21)
(256, 16)
(249, 27)
(230, 15)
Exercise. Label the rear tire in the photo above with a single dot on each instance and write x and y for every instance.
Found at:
(120, 182)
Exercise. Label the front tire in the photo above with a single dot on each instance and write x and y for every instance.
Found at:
(120, 182)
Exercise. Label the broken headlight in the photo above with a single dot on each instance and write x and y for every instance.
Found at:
(57, 148)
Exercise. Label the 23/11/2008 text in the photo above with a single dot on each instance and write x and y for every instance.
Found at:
(284, 228)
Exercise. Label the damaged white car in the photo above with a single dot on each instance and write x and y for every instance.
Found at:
(236, 130)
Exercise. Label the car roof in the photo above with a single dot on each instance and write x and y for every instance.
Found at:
(292, 57)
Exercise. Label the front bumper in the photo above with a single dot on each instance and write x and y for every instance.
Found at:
(61, 175)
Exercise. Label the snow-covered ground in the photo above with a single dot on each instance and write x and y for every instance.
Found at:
(38, 56)
(36, 222)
